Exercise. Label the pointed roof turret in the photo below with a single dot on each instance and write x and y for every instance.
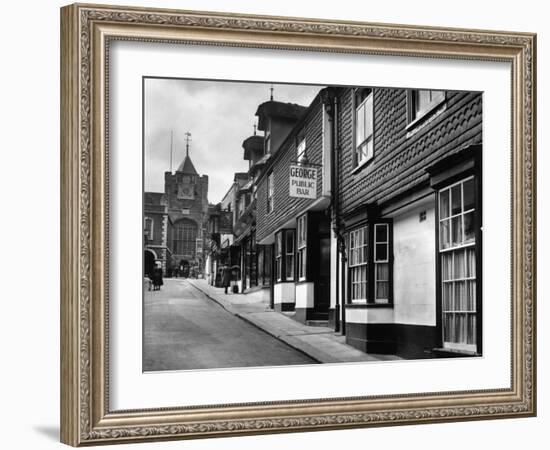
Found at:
(187, 166)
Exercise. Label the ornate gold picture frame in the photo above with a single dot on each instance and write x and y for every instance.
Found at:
(86, 34)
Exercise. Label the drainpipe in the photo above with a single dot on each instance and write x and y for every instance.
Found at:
(339, 229)
(331, 105)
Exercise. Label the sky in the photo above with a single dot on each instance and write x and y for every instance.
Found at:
(220, 115)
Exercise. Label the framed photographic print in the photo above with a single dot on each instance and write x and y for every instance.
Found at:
(277, 224)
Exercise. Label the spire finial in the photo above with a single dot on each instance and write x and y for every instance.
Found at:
(187, 140)
(271, 89)
(254, 129)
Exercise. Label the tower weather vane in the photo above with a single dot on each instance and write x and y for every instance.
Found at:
(187, 140)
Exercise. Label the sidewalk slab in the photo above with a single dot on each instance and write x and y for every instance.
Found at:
(320, 343)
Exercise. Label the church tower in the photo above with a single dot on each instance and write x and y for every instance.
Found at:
(187, 197)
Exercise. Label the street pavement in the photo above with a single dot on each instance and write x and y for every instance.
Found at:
(319, 342)
(186, 329)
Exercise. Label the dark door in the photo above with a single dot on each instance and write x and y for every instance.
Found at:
(322, 286)
(148, 263)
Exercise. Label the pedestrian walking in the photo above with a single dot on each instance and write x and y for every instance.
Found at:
(156, 276)
(226, 278)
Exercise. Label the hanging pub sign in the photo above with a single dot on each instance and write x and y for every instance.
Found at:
(303, 181)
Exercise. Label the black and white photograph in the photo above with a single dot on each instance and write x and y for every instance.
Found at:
(289, 224)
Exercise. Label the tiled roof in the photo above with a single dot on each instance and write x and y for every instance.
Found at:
(278, 109)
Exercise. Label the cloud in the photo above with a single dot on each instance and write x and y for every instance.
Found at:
(218, 114)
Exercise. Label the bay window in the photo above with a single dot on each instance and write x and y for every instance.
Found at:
(369, 264)
(285, 255)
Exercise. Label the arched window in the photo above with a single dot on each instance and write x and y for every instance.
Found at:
(185, 238)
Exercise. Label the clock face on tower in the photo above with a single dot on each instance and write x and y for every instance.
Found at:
(186, 192)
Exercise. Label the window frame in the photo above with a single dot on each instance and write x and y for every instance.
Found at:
(150, 235)
(301, 247)
(414, 116)
(301, 154)
(357, 164)
(377, 262)
(279, 256)
(283, 255)
(269, 193)
(290, 236)
(175, 240)
(369, 262)
(358, 270)
(453, 250)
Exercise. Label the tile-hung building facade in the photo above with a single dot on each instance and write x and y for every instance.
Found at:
(276, 120)
(389, 248)
(409, 210)
(298, 229)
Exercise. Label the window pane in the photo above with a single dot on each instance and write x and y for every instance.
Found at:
(362, 152)
(382, 290)
(459, 268)
(456, 199)
(368, 117)
(460, 296)
(437, 96)
(469, 196)
(423, 99)
(457, 230)
(471, 288)
(382, 272)
(469, 228)
(472, 322)
(289, 242)
(447, 296)
(444, 204)
(381, 233)
(290, 267)
(446, 266)
(381, 252)
(444, 235)
(369, 150)
(360, 125)
(470, 263)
